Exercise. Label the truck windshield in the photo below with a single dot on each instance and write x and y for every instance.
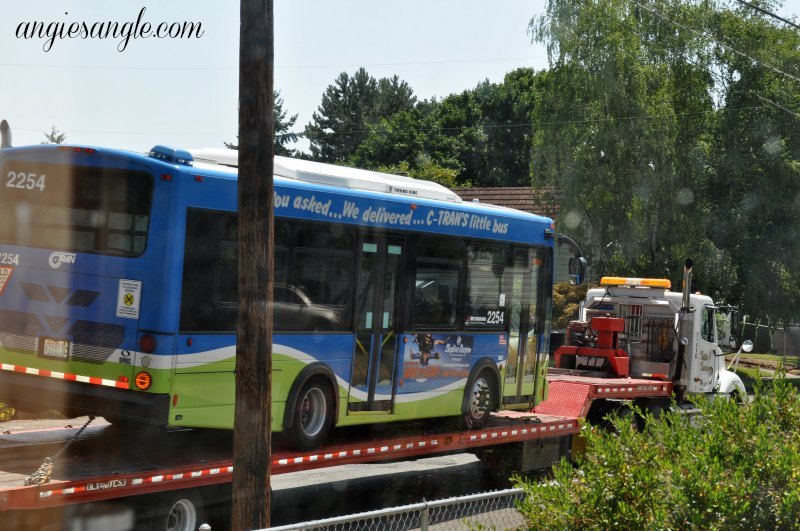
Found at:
(70, 208)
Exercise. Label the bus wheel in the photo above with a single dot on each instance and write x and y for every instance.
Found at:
(181, 511)
(311, 415)
(479, 399)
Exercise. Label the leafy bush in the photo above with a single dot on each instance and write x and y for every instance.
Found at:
(566, 301)
(6, 412)
(732, 467)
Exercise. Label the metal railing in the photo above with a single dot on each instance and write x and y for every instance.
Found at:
(489, 510)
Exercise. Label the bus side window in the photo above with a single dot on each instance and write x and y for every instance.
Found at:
(208, 305)
(437, 283)
(487, 293)
(320, 281)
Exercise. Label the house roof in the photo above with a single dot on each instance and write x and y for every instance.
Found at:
(543, 202)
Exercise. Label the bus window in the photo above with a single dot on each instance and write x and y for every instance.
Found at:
(435, 295)
(209, 296)
(94, 210)
(323, 273)
(486, 298)
(436, 286)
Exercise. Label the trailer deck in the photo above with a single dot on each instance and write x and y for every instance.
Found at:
(108, 463)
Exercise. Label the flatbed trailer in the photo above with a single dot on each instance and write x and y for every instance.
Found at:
(108, 464)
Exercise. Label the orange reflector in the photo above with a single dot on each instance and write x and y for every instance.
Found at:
(174, 400)
(123, 379)
(643, 282)
(143, 381)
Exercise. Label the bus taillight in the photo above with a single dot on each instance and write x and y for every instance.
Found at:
(147, 343)
(77, 149)
(143, 381)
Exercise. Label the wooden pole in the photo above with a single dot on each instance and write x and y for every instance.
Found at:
(252, 422)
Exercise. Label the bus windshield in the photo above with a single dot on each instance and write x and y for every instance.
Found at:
(73, 208)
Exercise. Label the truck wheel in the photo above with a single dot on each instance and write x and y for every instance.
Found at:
(480, 399)
(310, 416)
(182, 511)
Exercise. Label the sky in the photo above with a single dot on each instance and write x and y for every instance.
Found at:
(184, 92)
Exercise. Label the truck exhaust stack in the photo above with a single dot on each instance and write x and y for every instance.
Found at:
(687, 282)
(5, 135)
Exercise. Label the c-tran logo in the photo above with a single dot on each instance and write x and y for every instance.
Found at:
(56, 259)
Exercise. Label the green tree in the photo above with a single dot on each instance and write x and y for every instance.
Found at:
(482, 134)
(622, 131)
(54, 136)
(283, 129)
(349, 107)
(506, 116)
(756, 189)
(426, 170)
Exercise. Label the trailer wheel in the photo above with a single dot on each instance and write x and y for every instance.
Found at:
(311, 415)
(655, 407)
(480, 399)
(628, 416)
(180, 511)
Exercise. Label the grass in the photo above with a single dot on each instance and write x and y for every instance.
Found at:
(752, 372)
(791, 361)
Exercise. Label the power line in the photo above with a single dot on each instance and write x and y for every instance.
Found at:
(710, 71)
(557, 122)
(660, 15)
(762, 98)
(444, 129)
(768, 13)
(277, 67)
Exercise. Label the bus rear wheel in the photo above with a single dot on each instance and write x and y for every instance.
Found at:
(310, 416)
(480, 399)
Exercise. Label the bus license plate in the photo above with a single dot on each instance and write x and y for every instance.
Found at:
(55, 348)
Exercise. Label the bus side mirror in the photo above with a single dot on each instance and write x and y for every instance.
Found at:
(577, 270)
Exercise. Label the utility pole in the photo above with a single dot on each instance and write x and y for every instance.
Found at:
(252, 422)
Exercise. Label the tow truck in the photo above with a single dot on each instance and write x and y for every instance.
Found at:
(638, 328)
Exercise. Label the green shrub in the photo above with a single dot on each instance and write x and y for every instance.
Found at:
(6, 412)
(732, 467)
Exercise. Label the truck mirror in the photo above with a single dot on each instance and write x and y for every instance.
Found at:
(577, 270)
(747, 346)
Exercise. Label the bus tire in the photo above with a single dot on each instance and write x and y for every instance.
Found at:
(179, 511)
(480, 399)
(310, 415)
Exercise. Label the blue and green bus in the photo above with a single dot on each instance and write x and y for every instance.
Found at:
(393, 299)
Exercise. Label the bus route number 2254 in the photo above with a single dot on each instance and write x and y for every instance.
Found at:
(25, 181)
(494, 317)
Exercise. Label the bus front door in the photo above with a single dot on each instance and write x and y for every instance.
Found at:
(520, 379)
(372, 385)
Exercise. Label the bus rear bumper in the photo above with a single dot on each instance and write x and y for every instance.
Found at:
(32, 393)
